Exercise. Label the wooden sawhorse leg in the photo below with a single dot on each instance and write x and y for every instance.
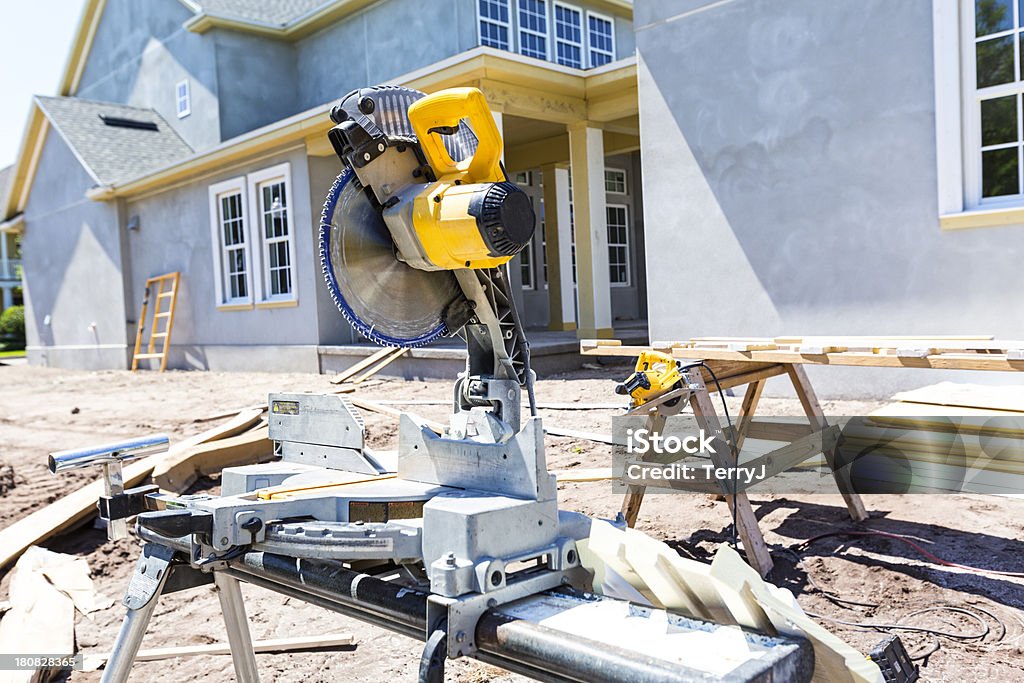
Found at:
(635, 493)
(818, 422)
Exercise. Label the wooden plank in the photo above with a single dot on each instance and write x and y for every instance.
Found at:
(91, 662)
(374, 357)
(179, 473)
(375, 407)
(578, 434)
(944, 361)
(746, 521)
(80, 505)
(1002, 398)
(635, 493)
(812, 408)
(584, 475)
(398, 353)
(957, 419)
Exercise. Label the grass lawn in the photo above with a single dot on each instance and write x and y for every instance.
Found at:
(12, 354)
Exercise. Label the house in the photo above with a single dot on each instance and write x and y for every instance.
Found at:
(180, 124)
(10, 265)
(845, 167)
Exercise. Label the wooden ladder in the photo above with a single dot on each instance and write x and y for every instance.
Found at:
(166, 289)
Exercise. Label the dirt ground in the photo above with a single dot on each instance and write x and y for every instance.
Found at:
(47, 409)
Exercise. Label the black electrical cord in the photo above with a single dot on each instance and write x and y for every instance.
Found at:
(731, 441)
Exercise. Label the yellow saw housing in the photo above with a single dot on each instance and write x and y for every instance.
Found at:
(471, 217)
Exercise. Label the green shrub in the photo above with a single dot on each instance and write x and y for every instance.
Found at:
(12, 327)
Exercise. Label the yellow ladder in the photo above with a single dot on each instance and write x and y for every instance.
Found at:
(166, 289)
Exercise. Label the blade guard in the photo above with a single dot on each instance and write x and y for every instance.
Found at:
(437, 114)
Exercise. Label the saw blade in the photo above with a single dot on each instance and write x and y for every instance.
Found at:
(385, 300)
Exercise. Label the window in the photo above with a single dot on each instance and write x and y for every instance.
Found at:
(533, 28)
(526, 269)
(183, 98)
(615, 181)
(231, 262)
(601, 39)
(568, 36)
(494, 23)
(618, 245)
(269, 190)
(524, 178)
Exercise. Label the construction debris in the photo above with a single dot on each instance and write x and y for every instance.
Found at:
(45, 590)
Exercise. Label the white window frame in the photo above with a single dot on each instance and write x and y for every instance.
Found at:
(232, 186)
(611, 21)
(625, 245)
(256, 180)
(957, 126)
(625, 181)
(182, 113)
(546, 35)
(556, 40)
(480, 19)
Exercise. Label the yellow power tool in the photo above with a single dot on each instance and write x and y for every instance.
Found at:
(655, 374)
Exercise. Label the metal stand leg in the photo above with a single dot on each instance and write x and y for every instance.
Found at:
(145, 586)
(239, 638)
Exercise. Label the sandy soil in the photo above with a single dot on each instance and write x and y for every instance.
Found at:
(47, 409)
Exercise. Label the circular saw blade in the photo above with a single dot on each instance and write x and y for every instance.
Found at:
(385, 300)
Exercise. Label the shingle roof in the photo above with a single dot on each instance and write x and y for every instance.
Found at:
(272, 12)
(113, 153)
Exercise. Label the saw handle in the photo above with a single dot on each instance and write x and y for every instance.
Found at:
(439, 114)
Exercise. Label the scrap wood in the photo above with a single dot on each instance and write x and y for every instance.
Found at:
(80, 505)
(398, 353)
(350, 372)
(45, 589)
(540, 405)
(347, 389)
(578, 434)
(178, 473)
(627, 563)
(91, 662)
(376, 407)
(584, 474)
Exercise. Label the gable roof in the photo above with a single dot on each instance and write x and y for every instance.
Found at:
(111, 153)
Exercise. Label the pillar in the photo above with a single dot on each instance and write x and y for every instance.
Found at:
(558, 235)
(593, 291)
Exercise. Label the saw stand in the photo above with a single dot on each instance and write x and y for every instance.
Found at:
(696, 394)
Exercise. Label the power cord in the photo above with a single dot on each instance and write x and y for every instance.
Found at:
(734, 541)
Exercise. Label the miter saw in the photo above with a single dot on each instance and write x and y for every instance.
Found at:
(415, 236)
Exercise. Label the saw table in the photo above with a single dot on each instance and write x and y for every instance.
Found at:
(749, 362)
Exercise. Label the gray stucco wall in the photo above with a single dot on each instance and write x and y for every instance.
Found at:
(175, 235)
(71, 251)
(789, 149)
(257, 81)
(139, 54)
(383, 41)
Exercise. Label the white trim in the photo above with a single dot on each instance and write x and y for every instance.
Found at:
(583, 34)
(182, 113)
(280, 172)
(948, 105)
(74, 347)
(625, 181)
(546, 35)
(610, 20)
(508, 26)
(626, 245)
(233, 185)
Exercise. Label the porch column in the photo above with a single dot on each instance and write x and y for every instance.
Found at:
(586, 154)
(558, 236)
(8, 298)
(5, 268)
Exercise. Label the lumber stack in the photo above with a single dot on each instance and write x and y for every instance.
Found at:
(970, 352)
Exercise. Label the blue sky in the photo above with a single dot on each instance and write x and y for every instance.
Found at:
(35, 38)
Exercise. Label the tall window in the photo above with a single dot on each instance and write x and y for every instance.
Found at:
(230, 241)
(994, 123)
(183, 98)
(533, 28)
(270, 191)
(618, 245)
(601, 39)
(494, 23)
(568, 36)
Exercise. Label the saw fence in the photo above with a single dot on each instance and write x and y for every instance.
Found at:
(750, 362)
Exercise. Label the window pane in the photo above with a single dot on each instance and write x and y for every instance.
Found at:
(999, 120)
(992, 16)
(999, 172)
(995, 61)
